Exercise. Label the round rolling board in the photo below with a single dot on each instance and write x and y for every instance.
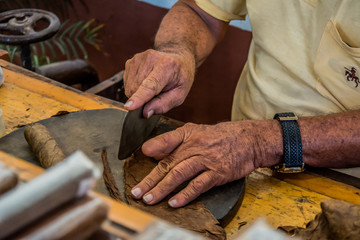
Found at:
(91, 131)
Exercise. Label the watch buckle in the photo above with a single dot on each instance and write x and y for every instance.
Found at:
(293, 118)
(283, 169)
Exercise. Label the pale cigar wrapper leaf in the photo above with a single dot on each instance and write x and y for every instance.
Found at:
(48, 191)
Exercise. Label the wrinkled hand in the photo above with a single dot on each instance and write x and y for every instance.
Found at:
(162, 80)
(210, 155)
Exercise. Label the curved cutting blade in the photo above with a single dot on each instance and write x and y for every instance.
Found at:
(135, 131)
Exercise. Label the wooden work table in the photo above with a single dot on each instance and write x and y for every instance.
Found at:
(291, 200)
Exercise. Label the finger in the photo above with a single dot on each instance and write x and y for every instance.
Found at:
(164, 102)
(197, 186)
(182, 172)
(148, 89)
(162, 145)
(129, 75)
(155, 176)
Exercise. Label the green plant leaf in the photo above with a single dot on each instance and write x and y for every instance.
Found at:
(82, 29)
(52, 50)
(72, 47)
(62, 25)
(87, 24)
(82, 48)
(68, 41)
(63, 43)
(75, 27)
(12, 53)
(58, 44)
(95, 29)
(42, 47)
(35, 62)
(78, 42)
(34, 49)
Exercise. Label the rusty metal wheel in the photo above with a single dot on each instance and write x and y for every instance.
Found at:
(26, 26)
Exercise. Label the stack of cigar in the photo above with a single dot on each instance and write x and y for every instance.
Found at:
(56, 205)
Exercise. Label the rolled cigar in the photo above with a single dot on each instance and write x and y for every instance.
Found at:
(43, 145)
(68, 180)
(75, 220)
(8, 179)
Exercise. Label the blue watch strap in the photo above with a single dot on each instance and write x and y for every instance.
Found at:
(293, 158)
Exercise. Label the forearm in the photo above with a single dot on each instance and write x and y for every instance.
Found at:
(328, 141)
(188, 30)
(332, 140)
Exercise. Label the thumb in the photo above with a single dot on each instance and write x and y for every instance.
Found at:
(162, 145)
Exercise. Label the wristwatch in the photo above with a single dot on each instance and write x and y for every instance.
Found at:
(293, 159)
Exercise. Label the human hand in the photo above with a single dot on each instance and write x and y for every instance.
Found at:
(210, 155)
(161, 80)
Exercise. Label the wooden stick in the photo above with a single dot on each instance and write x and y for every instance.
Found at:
(43, 145)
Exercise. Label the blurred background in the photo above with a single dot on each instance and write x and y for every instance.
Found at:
(106, 33)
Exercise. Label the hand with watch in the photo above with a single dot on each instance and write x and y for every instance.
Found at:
(212, 155)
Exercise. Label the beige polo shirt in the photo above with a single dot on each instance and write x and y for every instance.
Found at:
(304, 56)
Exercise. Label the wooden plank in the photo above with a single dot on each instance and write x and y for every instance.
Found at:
(26, 97)
(21, 106)
(26, 171)
(287, 199)
(119, 213)
(322, 185)
(4, 55)
(50, 89)
(319, 184)
(280, 203)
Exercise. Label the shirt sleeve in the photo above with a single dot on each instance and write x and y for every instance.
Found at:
(225, 10)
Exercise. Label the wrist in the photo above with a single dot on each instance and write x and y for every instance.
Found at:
(175, 48)
(185, 54)
(268, 143)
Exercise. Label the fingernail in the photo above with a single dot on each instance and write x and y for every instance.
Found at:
(148, 198)
(128, 103)
(173, 203)
(150, 113)
(136, 192)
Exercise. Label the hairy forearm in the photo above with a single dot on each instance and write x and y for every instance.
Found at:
(188, 30)
(332, 140)
(328, 141)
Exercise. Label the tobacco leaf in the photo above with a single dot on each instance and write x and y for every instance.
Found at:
(194, 216)
(109, 179)
(337, 220)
